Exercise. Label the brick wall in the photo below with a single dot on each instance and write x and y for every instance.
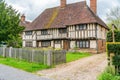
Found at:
(101, 46)
(63, 3)
(93, 5)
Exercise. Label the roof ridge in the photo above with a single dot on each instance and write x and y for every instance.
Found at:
(67, 4)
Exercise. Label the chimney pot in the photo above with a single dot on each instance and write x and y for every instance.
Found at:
(63, 3)
(22, 18)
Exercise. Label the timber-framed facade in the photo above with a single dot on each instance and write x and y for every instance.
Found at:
(62, 27)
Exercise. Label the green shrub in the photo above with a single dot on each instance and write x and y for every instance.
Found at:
(108, 74)
(113, 48)
(110, 38)
(110, 70)
(105, 76)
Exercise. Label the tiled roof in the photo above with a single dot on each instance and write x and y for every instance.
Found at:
(76, 13)
(25, 23)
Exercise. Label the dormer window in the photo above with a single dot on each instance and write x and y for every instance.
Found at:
(63, 30)
(28, 33)
(44, 32)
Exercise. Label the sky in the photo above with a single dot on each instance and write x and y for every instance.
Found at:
(33, 8)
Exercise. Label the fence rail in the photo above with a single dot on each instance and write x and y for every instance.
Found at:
(49, 57)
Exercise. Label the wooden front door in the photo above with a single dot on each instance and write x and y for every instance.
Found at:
(66, 44)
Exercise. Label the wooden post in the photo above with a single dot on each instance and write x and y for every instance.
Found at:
(113, 54)
(49, 58)
(10, 52)
(4, 51)
(20, 54)
(32, 55)
(111, 64)
(113, 33)
(44, 57)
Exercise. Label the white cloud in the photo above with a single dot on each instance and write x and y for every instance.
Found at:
(104, 7)
(33, 8)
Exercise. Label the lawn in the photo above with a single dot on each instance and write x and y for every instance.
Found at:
(33, 67)
(23, 65)
(72, 56)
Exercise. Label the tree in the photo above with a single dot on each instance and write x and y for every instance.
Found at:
(113, 17)
(9, 25)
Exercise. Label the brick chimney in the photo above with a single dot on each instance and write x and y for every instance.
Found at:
(63, 3)
(22, 18)
(93, 6)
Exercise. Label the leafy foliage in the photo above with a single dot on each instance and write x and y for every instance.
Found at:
(116, 60)
(117, 36)
(9, 25)
(114, 48)
(108, 74)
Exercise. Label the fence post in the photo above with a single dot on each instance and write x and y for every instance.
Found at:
(49, 58)
(15, 53)
(4, 52)
(10, 52)
(20, 54)
(44, 57)
(64, 56)
(32, 55)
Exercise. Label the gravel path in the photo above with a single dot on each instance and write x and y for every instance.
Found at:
(84, 69)
(9, 73)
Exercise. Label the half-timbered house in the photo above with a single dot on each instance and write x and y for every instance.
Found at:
(68, 26)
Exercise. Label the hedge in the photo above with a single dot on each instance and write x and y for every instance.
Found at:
(117, 36)
(114, 47)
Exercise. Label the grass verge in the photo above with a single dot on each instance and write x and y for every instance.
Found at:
(23, 65)
(108, 74)
(72, 56)
(33, 67)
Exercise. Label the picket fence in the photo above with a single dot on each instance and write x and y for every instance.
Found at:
(46, 57)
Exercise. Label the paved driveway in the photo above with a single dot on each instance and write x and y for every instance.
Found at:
(9, 73)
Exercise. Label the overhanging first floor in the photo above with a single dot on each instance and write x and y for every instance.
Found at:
(97, 45)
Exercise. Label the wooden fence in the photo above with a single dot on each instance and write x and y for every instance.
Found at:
(49, 57)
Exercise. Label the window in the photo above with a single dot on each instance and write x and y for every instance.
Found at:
(28, 33)
(57, 42)
(82, 44)
(44, 32)
(45, 43)
(63, 30)
(28, 44)
(81, 27)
